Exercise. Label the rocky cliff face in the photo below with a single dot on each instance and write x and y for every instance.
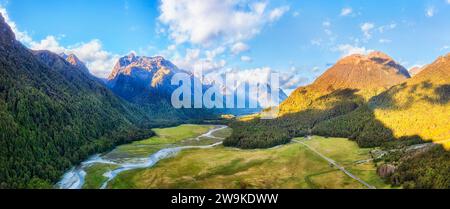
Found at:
(75, 61)
(135, 78)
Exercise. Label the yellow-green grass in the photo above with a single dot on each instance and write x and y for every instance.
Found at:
(94, 175)
(346, 153)
(224, 133)
(218, 136)
(367, 172)
(340, 150)
(288, 166)
(165, 137)
(333, 179)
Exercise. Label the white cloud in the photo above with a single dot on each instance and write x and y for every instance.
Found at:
(239, 48)
(384, 41)
(226, 21)
(346, 11)
(172, 47)
(277, 13)
(366, 28)
(288, 79)
(20, 35)
(297, 13)
(99, 61)
(327, 25)
(347, 49)
(49, 43)
(212, 54)
(315, 69)
(430, 11)
(213, 26)
(246, 59)
(193, 61)
(446, 47)
(316, 42)
(384, 28)
(415, 66)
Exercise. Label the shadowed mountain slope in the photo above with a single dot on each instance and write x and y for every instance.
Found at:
(53, 115)
(369, 75)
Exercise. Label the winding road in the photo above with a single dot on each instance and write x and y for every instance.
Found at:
(75, 178)
(334, 163)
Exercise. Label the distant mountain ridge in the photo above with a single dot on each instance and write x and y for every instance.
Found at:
(134, 77)
(53, 115)
(147, 80)
(369, 75)
(372, 71)
(75, 61)
(416, 70)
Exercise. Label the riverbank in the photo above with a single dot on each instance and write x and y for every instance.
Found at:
(291, 166)
(191, 156)
(98, 170)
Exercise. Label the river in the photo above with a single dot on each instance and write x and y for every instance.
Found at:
(75, 178)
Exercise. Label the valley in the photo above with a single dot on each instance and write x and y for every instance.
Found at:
(190, 156)
(362, 121)
(98, 170)
(291, 166)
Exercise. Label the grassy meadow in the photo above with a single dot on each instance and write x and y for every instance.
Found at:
(165, 137)
(288, 166)
(183, 135)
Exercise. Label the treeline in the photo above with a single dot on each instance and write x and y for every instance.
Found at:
(353, 119)
(428, 169)
(259, 133)
(359, 125)
(53, 116)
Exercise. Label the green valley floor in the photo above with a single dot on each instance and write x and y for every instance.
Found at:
(309, 163)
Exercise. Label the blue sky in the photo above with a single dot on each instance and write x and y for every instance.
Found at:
(300, 38)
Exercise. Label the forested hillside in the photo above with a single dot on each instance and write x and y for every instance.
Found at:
(53, 115)
(409, 113)
(420, 107)
(343, 88)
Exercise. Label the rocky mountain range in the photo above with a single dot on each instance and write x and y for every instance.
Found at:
(138, 78)
(53, 115)
(416, 70)
(146, 80)
(75, 61)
